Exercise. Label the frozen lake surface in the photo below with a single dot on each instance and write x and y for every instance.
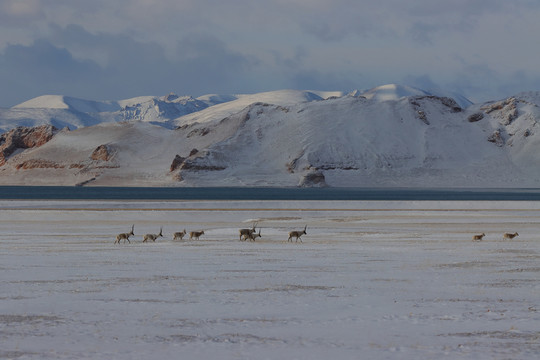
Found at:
(371, 280)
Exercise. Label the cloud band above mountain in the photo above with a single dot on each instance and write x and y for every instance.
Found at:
(103, 50)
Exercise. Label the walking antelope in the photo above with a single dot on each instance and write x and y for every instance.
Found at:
(253, 235)
(510, 235)
(195, 234)
(246, 233)
(125, 236)
(297, 234)
(478, 237)
(179, 235)
(153, 237)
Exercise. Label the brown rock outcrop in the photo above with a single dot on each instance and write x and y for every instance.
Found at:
(102, 153)
(496, 138)
(177, 162)
(506, 110)
(24, 138)
(475, 117)
(314, 178)
(39, 164)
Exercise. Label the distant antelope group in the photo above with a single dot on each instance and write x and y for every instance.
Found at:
(245, 234)
(480, 237)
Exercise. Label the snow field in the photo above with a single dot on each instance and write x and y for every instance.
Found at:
(373, 280)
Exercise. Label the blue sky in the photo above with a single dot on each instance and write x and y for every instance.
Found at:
(111, 50)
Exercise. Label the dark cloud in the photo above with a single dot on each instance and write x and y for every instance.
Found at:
(423, 33)
(423, 82)
(342, 20)
(41, 68)
(479, 82)
(317, 80)
(129, 68)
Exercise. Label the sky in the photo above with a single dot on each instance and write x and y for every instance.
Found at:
(113, 50)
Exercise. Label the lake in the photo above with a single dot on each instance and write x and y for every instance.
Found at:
(267, 193)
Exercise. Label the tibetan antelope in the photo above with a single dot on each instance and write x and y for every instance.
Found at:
(246, 233)
(153, 237)
(125, 236)
(510, 235)
(252, 236)
(478, 237)
(195, 234)
(179, 235)
(297, 234)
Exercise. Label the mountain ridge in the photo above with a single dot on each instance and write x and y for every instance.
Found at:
(298, 138)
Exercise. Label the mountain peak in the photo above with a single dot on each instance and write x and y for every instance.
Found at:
(44, 101)
(393, 92)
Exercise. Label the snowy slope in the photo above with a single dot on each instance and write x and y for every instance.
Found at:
(64, 111)
(355, 142)
(58, 117)
(512, 124)
(141, 154)
(280, 97)
(66, 102)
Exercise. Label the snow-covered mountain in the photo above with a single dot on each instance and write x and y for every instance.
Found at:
(170, 111)
(167, 111)
(388, 136)
(64, 111)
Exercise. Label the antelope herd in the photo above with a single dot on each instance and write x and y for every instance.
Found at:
(251, 234)
(509, 236)
(245, 234)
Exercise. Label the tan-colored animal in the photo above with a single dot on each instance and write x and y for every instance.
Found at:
(246, 233)
(153, 237)
(510, 235)
(297, 234)
(478, 237)
(125, 236)
(195, 235)
(179, 235)
(252, 236)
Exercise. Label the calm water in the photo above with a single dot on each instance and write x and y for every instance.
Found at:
(237, 193)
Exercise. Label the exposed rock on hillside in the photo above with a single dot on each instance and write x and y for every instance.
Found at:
(102, 153)
(496, 138)
(449, 102)
(177, 162)
(38, 164)
(24, 138)
(190, 163)
(505, 110)
(475, 117)
(314, 178)
(207, 161)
